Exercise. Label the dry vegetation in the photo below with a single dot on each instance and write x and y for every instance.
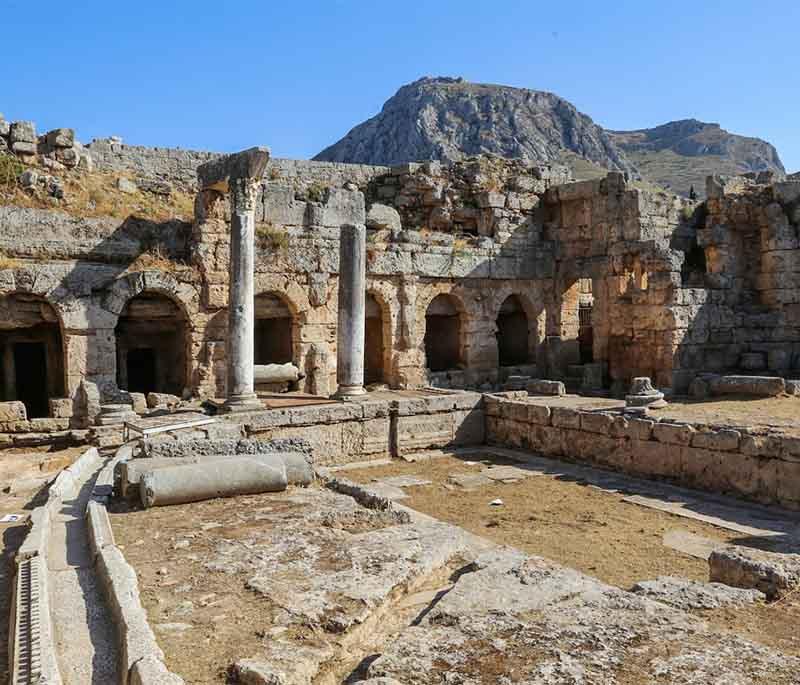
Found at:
(157, 259)
(269, 237)
(93, 194)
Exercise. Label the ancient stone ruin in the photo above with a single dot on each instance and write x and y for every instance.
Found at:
(209, 347)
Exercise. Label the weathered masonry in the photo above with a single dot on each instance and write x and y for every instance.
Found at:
(474, 272)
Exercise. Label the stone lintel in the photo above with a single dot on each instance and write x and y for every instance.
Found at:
(248, 164)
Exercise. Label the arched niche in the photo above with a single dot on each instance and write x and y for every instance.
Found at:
(32, 365)
(513, 345)
(151, 342)
(275, 329)
(443, 331)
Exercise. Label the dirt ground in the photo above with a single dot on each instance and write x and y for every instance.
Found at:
(587, 529)
(24, 473)
(782, 413)
(203, 621)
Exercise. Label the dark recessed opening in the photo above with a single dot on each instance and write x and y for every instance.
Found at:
(512, 333)
(30, 366)
(442, 335)
(142, 370)
(373, 347)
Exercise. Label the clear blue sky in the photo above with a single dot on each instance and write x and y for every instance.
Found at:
(297, 76)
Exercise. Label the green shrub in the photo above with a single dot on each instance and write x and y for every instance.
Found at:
(10, 169)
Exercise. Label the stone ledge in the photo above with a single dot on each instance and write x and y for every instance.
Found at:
(760, 467)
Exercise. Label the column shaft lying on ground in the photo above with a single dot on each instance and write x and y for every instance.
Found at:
(196, 482)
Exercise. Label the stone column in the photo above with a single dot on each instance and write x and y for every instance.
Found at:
(239, 174)
(352, 306)
(241, 293)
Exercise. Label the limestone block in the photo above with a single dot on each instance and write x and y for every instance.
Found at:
(640, 429)
(60, 137)
(771, 573)
(765, 386)
(673, 433)
(545, 387)
(722, 440)
(752, 477)
(162, 399)
(564, 417)
(596, 422)
(469, 427)
(318, 289)
(420, 432)
(12, 411)
(376, 436)
(788, 484)
(761, 445)
(753, 361)
(139, 402)
(23, 132)
(383, 217)
(515, 411)
(790, 448)
(61, 408)
(546, 440)
(590, 447)
(703, 469)
(539, 414)
(343, 207)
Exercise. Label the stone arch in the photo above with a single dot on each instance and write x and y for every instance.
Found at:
(277, 329)
(33, 364)
(378, 343)
(444, 333)
(130, 285)
(153, 343)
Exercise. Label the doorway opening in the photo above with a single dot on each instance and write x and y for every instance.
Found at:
(443, 334)
(151, 345)
(512, 333)
(273, 330)
(374, 349)
(31, 353)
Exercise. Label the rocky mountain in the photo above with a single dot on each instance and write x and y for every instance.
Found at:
(681, 154)
(450, 119)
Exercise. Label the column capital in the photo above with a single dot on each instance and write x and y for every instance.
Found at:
(244, 194)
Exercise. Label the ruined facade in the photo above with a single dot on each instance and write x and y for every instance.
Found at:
(475, 272)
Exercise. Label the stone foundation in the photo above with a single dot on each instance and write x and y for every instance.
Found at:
(763, 466)
(376, 429)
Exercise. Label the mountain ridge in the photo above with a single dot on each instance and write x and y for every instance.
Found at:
(449, 118)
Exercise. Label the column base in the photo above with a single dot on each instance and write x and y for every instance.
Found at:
(348, 392)
(239, 403)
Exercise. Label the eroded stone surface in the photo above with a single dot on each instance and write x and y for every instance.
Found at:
(329, 567)
(523, 619)
(691, 594)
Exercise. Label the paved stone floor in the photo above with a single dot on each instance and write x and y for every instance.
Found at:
(308, 586)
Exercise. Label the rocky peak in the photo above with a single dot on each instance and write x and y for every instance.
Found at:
(450, 119)
(442, 118)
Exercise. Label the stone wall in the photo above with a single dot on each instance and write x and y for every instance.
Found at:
(762, 466)
(675, 288)
(55, 150)
(743, 312)
(377, 429)
(178, 167)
